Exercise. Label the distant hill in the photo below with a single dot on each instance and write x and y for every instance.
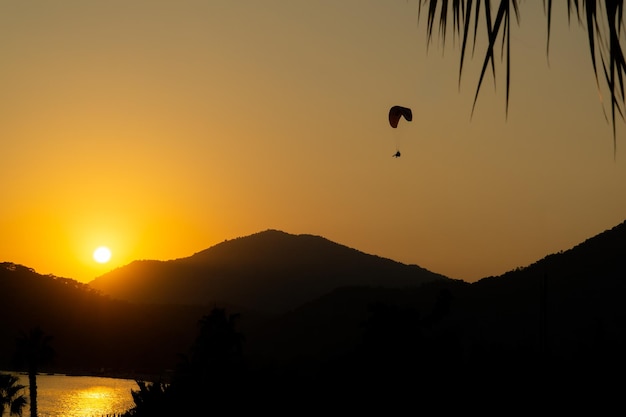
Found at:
(270, 271)
(567, 301)
(559, 322)
(91, 332)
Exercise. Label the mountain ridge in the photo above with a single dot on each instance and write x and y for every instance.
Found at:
(270, 270)
(561, 317)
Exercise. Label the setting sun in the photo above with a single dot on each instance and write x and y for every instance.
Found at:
(102, 254)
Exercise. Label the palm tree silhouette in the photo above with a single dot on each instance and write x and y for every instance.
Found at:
(33, 350)
(11, 396)
(151, 399)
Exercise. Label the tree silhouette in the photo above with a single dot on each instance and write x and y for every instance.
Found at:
(152, 399)
(33, 350)
(205, 380)
(216, 357)
(603, 21)
(11, 396)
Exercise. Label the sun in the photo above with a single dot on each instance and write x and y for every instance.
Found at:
(102, 254)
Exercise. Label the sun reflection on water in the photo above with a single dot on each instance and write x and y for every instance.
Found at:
(91, 401)
(75, 396)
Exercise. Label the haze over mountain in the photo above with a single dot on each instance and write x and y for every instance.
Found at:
(270, 271)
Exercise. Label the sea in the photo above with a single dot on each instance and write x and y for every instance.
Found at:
(80, 396)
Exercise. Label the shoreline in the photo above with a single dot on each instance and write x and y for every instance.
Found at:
(126, 375)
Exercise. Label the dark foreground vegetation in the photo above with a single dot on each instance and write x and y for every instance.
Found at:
(547, 337)
(403, 359)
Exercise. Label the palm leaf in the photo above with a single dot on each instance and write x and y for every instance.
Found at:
(466, 20)
(603, 34)
(493, 34)
(549, 19)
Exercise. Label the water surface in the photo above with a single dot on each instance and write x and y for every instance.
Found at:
(80, 396)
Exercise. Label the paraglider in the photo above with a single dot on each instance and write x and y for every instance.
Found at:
(398, 111)
(395, 113)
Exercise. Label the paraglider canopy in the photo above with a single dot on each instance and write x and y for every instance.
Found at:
(398, 111)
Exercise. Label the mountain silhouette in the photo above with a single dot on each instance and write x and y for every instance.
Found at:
(557, 323)
(555, 327)
(91, 332)
(570, 302)
(270, 271)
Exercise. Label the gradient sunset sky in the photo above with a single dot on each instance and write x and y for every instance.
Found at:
(162, 127)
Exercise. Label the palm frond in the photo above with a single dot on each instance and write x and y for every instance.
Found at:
(548, 11)
(465, 33)
(462, 17)
(603, 22)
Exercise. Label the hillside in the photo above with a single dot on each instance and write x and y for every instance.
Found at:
(270, 271)
(90, 332)
(560, 322)
(567, 301)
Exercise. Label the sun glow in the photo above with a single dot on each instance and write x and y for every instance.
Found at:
(102, 254)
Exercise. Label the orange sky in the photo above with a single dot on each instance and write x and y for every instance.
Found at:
(160, 128)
